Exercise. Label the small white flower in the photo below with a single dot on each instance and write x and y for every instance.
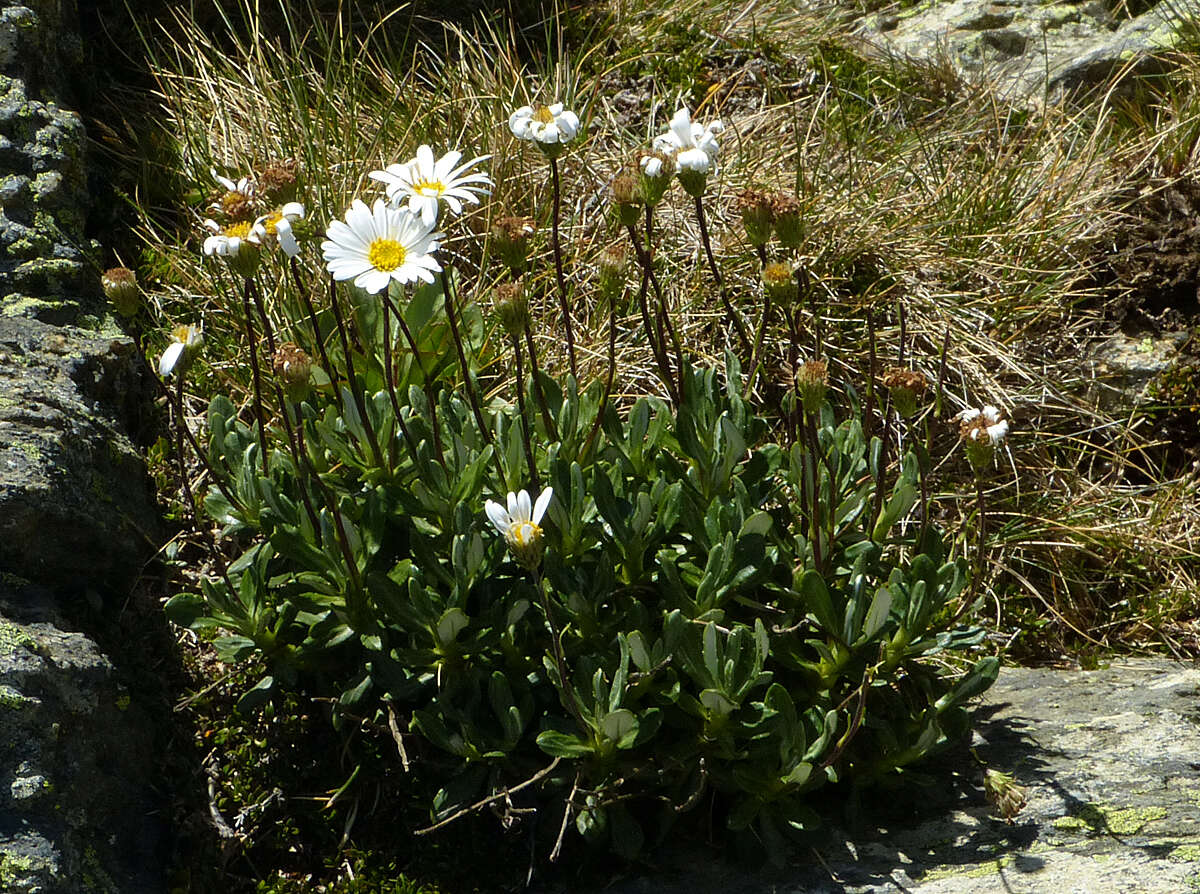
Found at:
(686, 135)
(379, 245)
(237, 244)
(278, 225)
(425, 183)
(519, 525)
(185, 343)
(984, 425)
(548, 126)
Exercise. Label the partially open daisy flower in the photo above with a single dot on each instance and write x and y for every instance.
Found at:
(237, 243)
(278, 226)
(378, 245)
(424, 183)
(519, 525)
(185, 343)
(983, 429)
(548, 126)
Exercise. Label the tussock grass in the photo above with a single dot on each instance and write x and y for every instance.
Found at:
(947, 215)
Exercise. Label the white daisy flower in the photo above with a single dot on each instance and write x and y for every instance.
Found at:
(519, 525)
(244, 186)
(550, 127)
(378, 245)
(185, 344)
(425, 183)
(278, 225)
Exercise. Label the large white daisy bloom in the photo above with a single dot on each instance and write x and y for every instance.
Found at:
(278, 225)
(378, 245)
(185, 343)
(547, 126)
(519, 525)
(687, 140)
(424, 183)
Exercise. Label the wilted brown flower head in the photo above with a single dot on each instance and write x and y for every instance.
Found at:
(754, 205)
(1004, 794)
(511, 236)
(906, 386)
(121, 288)
(512, 307)
(278, 179)
(292, 366)
(812, 381)
(785, 214)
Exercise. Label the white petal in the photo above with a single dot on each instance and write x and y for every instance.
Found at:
(287, 239)
(497, 515)
(539, 508)
(170, 358)
(512, 506)
(524, 511)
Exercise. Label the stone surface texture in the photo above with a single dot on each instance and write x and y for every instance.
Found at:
(77, 511)
(1111, 762)
(1032, 48)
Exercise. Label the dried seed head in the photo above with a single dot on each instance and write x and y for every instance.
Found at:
(786, 215)
(293, 367)
(512, 307)
(812, 382)
(1004, 794)
(512, 236)
(755, 207)
(907, 386)
(779, 282)
(278, 180)
(613, 267)
(121, 288)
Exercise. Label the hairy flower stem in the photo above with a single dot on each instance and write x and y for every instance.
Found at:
(186, 432)
(355, 386)
(268, 329)
(793, 359)
(756, 354)
(659, 351)
(295, 442)
(536, 374)
(255, 376)
(533, 475)
(426, 379)
(468, 380)
(813, 475)
(389, 377)
(180, 426)
(663, 311)
(565, 691)
(731, 312)
(608, 384)
(318, 338)
(558, 266)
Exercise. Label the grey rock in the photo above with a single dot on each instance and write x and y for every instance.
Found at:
(1122, 366)
(77, 509)
(75, 813)
(1030, 49)
(1109, 759)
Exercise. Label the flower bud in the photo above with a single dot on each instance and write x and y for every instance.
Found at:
(812, 382)
(755, 207)
(906, 387)
(121, 288)
(780, 283)
(512, 307)
(785, 212)
(293, 367)
(511, 237)
(627, 196)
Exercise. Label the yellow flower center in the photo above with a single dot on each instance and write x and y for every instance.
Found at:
(270, 221)
(430, 188)
(524, 534)
(241, 229)
(543, 115)
(181, 333)
(385, 254)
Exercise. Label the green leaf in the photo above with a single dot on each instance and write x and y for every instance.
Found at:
(185, 609)
(817, 600)
(256, 696)
(558, 744)
(977, 680)
(621, 727)
(450, 625)
(877, 614)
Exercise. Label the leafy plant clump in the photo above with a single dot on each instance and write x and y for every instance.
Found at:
(705, 601)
